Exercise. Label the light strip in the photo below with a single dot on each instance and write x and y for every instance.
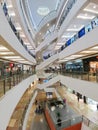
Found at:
(2, 48)
(6, 53)
(96, 47)
(11, 57)
(12, 14)
(85, 17)
(92, 11)
(89, 52)
(75, 29)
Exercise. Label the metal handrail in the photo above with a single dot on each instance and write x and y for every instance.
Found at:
(7, 83)
(87, 122)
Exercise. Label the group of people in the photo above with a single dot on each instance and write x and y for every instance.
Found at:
(39, 108)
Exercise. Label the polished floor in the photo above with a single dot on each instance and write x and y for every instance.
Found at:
(37, 122)
(89, 112)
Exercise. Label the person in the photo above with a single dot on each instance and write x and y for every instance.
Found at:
(36, 102)
(64, 100)
(97, 106)
(59, 122)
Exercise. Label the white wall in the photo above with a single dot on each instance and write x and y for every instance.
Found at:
(9, 36)
(10, 100)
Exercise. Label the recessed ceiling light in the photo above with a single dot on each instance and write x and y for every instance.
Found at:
(92, 11)
(85, 16)
(89, 52)
(60, 44)
(57, 47)
(6, 53)
(94, 7)
(11, 57)
(29, 47)
(43, 11)
(12, 14)
(68, 35)
(26, 43)
(22, 35)
(75, 56)
(47, 24)
(18, 28)
(75, 28)
(19, 59)
(9, 6)
(2, 48)
(96, 47)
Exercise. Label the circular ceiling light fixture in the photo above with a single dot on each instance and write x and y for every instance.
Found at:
(43, 11)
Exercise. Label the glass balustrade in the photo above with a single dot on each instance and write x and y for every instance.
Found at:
(6, 83)
(89, 123)
(82, 75)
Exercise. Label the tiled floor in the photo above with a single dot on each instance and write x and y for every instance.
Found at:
(87, 110)
(39, 123)
(17, 115)
(34, 120)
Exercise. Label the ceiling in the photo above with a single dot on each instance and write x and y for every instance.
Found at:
(39, 9)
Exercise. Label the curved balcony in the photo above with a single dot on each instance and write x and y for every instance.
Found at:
(47, 62)
(10, 81)
(48, 39)
(11, 37)
(12, 97)
(46, 19)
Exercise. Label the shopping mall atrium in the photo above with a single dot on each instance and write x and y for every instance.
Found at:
(48, 64)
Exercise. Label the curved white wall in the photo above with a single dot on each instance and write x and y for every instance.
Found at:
(9, 36)
(10, 100)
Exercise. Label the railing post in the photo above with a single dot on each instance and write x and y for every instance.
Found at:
(10, 83)
(4, 86)
(96, 76)
(13, 80)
